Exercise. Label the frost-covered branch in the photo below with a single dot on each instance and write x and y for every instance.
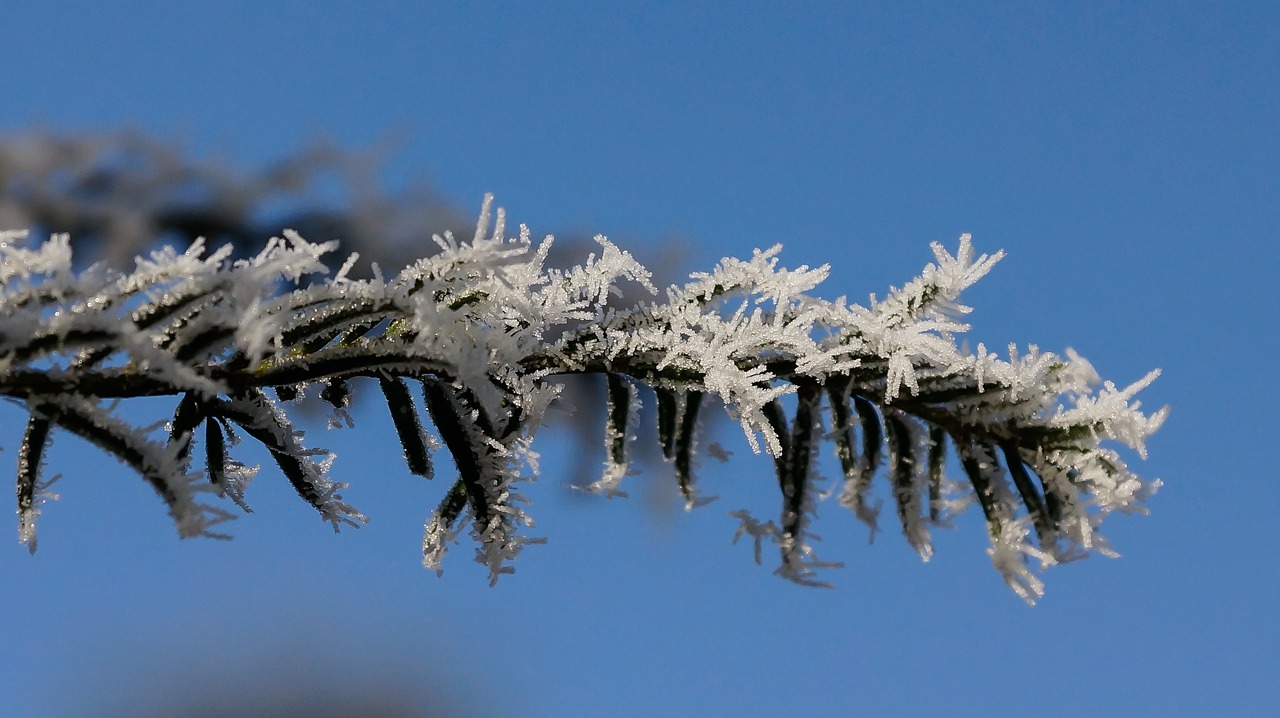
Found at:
(485, 329)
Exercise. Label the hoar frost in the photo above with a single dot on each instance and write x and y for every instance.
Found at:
(477, 334)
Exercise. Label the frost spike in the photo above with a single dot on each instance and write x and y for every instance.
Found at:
(841, 428)
(872, 436)
(1045, 530)
(937, 457)
(857, 480)
(991, 507)
(408, 427)
(438, 531)
(786, 486)
(684, 445)
(794, 477)
(1052, 501)
(902, 451)
(30, 458)
(254, 412)
(452, 504)
(215, 452)
(668, 408)
(621, 410)
(619, 407)
(442, 406)
(186, 417)
(294, 467)
(778, 422)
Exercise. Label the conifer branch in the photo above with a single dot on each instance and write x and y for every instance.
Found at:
(487, 329)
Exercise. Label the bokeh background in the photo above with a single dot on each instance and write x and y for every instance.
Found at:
(1124, 154)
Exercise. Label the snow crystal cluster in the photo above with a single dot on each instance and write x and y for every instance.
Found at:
(484, 329)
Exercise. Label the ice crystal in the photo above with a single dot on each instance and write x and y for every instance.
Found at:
(483, 329)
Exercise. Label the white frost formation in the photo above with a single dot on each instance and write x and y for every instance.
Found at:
(486, 328)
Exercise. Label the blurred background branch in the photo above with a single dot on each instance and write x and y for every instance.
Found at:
(121, 193)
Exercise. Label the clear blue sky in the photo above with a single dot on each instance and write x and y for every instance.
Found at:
(1124, 154)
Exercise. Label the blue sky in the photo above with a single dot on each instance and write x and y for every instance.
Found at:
(1124, 154)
